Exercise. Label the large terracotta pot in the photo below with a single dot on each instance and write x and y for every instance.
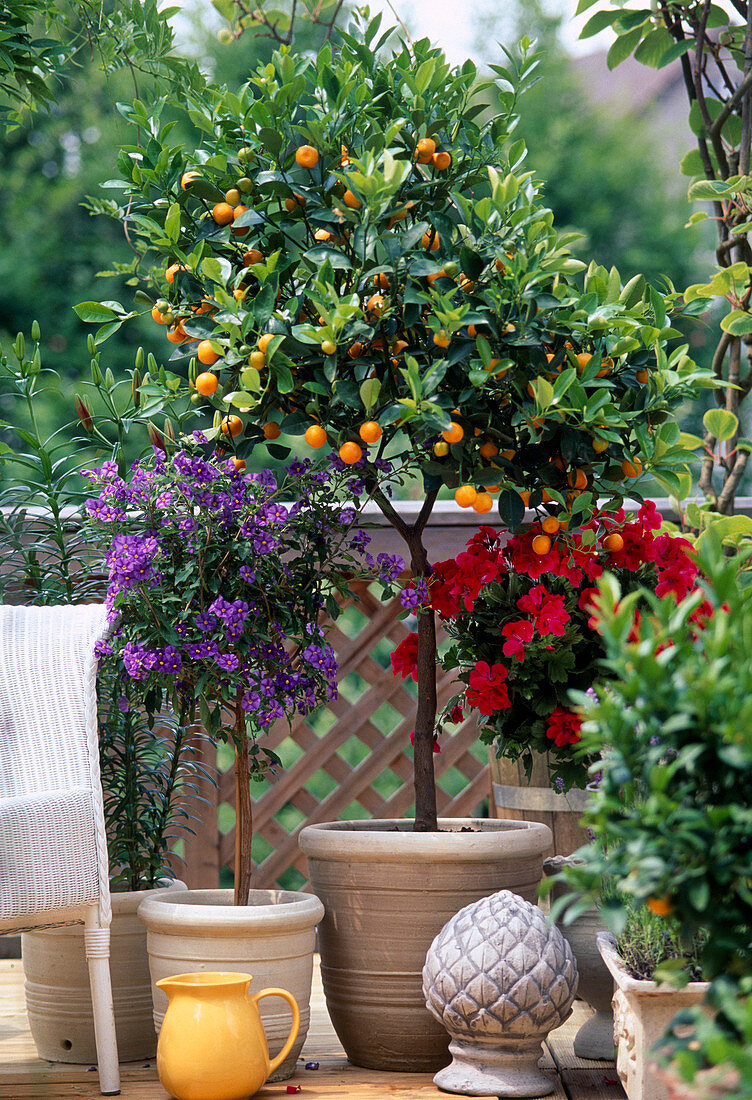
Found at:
(387, 892)
(643, 1011)
(272, 938)
(58, 997)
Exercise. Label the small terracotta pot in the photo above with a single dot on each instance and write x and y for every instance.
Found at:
(643, 1011)
(388, 891)
(272, 939)
(58, 997)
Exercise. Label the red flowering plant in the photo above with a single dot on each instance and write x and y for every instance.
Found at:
(519, 613)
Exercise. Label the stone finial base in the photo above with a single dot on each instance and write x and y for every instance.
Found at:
(506, 1068)
(595, 1039)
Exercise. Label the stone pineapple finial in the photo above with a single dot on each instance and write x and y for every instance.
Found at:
(499, 978)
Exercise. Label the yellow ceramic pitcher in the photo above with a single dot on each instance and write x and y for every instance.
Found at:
(212, 1044)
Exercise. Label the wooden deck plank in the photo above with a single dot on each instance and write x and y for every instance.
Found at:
(23, 1076)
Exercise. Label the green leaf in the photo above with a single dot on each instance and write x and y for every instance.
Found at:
(598, 22)
(511, 509)
(369, 392)
(623, 47)
(94, 313)
(673, 53)
(691, 163)
(172, 223)
(653, 47)
(737, 323)
(720, 423)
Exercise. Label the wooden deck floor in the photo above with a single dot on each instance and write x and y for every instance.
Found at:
(23, 1075)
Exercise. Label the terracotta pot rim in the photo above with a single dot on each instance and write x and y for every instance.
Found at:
(607, 946)
(392, 840)
(204, 911)
(128, 901)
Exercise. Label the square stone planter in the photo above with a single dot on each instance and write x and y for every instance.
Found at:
(642, 1012)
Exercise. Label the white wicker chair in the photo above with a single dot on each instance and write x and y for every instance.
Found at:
(53, 849)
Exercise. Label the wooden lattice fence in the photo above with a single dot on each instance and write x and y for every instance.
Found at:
(351, 759)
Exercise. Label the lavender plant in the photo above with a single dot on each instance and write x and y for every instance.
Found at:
(218, 582)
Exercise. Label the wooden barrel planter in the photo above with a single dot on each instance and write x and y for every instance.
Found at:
(514, 798)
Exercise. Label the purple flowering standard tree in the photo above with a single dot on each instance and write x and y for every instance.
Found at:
(217, 586)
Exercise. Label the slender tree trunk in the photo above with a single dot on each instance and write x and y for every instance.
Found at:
(243, 812)
(426, 819)
(425, 718)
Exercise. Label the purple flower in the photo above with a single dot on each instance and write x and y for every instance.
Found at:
(200, 651)
(264, 542)
(123, 704)
(251, 700)
(206, 621)
(247, 574)
(227, 661)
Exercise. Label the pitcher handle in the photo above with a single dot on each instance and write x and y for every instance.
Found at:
(256, 997)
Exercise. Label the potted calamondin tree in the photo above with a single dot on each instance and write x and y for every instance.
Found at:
(356, 255)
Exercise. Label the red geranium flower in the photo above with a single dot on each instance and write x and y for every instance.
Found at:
(563, 727)
(518, 634)
(405, 658)
(487, 691)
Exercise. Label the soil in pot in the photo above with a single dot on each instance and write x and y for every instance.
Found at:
(387, 892)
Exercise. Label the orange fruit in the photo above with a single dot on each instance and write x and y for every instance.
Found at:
(206, 383)
(315, 436)
(188, 177)
(232, 196)
(344, 160)
(257, 360)
(350, 453)
(613, 543)
(252, 256)
(508, 454)
(222, 213)
(172, 271)
(441, 161)
(641, 376)
(606, 367)
(442, 339)
(662, 907)
(488, 449)
(271, 430)
(483, 503)
(382, 280)
(631, 467)
(430, 239)
(231, 425)
(550, 525)
(375, 305)
(600, 445)
(264, 341)
(351, 200)
(541, 545)
(466, 285)
(160, 318)
(525, 497)
(176, 335)
(328, 347)
(370, 432)
(297, 200)
(240, 230)
(454, 433)
(239, 463)
(399, 346)
(322, 235)
(441, 449)
(355, 350)
(577, 479)
(306, 156)
(206, 354)
(425, 150)
(465, 496)
(583, 359)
